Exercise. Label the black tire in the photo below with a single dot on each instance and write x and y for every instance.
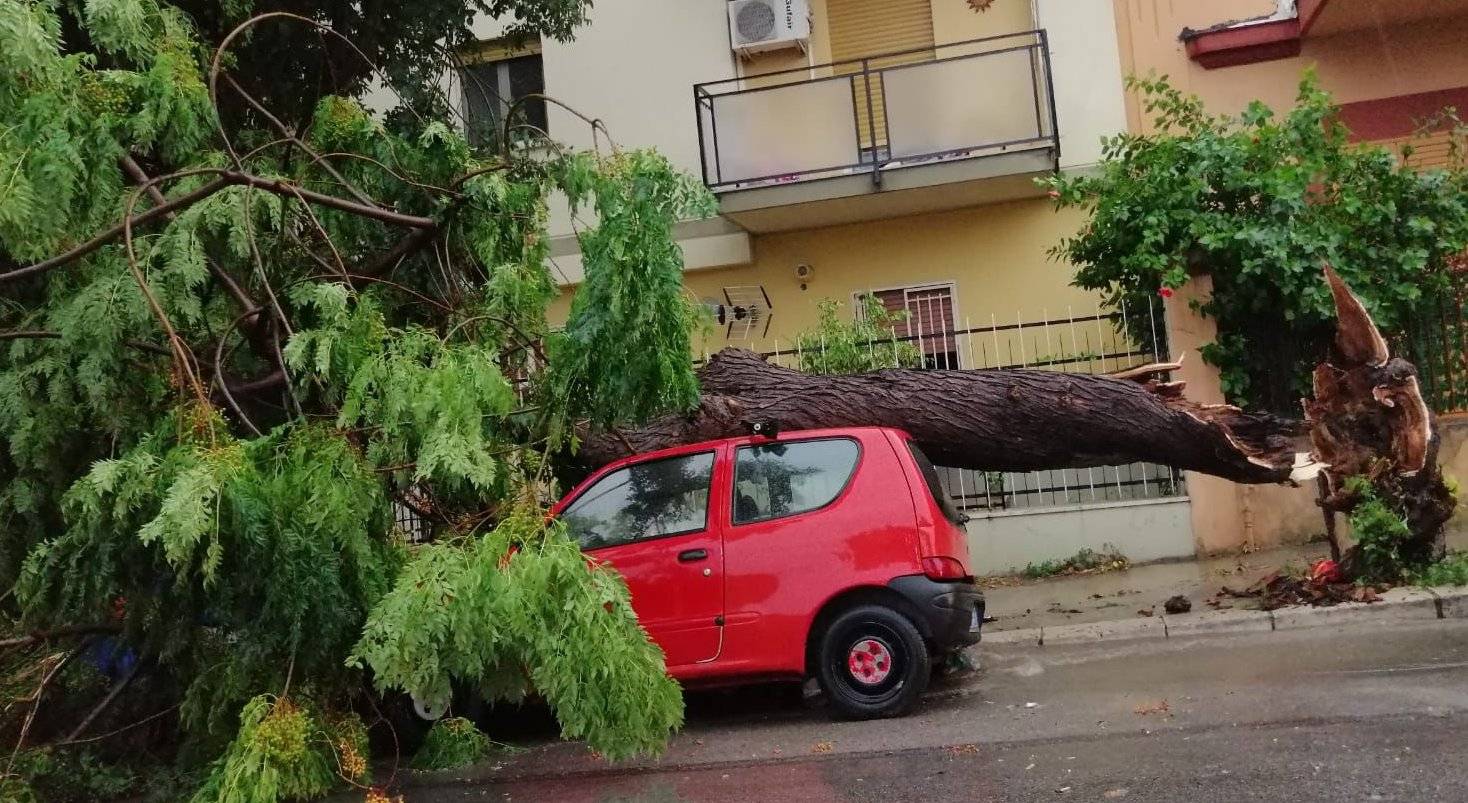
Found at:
(852, 672)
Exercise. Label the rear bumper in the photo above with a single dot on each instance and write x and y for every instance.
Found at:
(950, 613)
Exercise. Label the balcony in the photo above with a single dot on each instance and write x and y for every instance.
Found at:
(900, 133)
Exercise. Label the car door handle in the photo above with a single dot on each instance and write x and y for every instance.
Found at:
(690, 555)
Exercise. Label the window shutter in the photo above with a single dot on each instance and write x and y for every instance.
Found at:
(863, 28)
(929, 319)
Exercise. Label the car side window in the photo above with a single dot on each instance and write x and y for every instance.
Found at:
(642, 501)
(785, 478)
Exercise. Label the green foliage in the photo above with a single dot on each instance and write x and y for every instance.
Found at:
(66, 776)
(518, 608)
(231, 509)
(281, 753)
(1085, 560)
(1259, 200)
(867, 343)
(623, 354)
(451, 742)
(1379, 532)
(1450, 571)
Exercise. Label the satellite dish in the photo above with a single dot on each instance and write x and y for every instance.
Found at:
(746, 308)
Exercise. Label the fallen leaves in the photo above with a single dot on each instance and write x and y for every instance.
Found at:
(963, 749)
(823, 747)
(1147, 709)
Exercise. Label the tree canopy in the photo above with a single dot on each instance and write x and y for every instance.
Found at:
(246, 326)
(1259, 200)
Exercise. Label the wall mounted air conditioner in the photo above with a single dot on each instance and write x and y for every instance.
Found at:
(756, 26)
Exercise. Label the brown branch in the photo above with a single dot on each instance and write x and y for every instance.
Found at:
(116, 231)
(287, 133)
(225, 178)
(39, 636)
(117, 689)
(140, 177)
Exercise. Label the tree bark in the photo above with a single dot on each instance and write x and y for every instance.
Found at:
(1367, 418)
(994, 420)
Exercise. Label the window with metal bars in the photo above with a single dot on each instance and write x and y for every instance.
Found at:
(927, 320)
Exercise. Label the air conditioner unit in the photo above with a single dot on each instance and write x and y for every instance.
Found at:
(759, 25)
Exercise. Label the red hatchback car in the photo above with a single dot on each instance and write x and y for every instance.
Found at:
(826, 553)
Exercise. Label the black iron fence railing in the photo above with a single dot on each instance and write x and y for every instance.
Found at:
(973, 99)
(1436, 341)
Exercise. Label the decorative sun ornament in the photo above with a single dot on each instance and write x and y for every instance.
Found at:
(980, 6)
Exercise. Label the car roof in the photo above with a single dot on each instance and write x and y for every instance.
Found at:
(740, 440)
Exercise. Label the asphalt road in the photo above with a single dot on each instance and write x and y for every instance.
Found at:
(1330, 714)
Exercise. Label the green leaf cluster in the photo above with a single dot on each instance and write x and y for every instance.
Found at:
(1259, 200)
(521, 608)
(868, 342)
(451, 742)
(208, 427)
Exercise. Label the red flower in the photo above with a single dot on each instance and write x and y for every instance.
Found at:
(1165, 292)
(1054, 195)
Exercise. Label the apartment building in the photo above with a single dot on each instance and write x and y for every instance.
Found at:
(885, 147)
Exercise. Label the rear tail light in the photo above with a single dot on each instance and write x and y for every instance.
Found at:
(944, 569)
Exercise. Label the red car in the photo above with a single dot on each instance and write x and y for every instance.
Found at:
(826, 553)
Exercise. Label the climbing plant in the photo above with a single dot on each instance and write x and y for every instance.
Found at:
(1258, 200)
(248, 326)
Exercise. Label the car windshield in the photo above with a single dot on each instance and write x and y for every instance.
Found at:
(935, 486)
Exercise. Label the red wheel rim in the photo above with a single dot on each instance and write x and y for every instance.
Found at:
(869, 662)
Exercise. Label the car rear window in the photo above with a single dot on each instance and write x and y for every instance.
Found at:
(935, 486)
(784, 478)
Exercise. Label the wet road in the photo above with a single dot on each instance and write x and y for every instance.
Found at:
(1369, 713)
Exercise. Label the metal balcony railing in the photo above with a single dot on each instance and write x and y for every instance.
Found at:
(965, 100)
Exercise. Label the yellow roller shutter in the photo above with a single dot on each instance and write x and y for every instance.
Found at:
(863, 28)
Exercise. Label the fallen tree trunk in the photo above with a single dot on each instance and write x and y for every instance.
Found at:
(995, 420)
(1367, 418)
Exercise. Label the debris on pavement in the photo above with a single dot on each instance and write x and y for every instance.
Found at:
(1319, 587)
(1144, 611)
(1159, 707)
(823, 747)
(1177, 604)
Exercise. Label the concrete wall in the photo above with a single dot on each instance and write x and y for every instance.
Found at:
(1003, 543)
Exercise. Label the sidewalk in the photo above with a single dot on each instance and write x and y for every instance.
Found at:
(1128, 604)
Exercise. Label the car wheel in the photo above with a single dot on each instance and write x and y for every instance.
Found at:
(872, 663)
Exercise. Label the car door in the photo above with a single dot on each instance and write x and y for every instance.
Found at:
(652, 522)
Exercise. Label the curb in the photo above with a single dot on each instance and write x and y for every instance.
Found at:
(1395, 606)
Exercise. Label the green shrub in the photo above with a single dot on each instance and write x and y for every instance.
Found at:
(868, 342)
(1379, 532)
(451, 742)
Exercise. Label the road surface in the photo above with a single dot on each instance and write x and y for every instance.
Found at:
(1365, 713)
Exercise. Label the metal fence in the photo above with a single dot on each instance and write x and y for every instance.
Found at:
(1091, 342)
(1436, 341)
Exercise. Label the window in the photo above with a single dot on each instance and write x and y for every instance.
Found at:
(935, 486)
(491, 84)
(929, 322)
(641, 501)
(783, 479)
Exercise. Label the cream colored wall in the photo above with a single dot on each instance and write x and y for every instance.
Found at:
(1086, 62)
(994, 255)
(1359, 65)
(955, 21)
